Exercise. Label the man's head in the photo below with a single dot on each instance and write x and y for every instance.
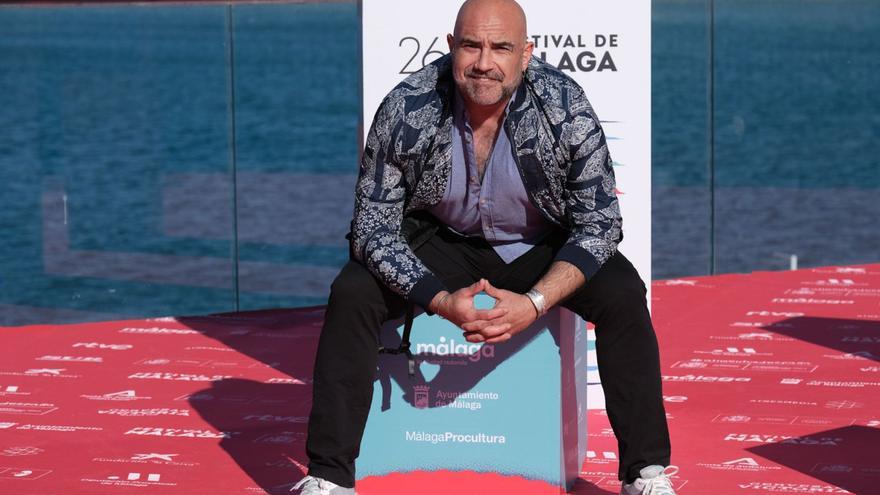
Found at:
(489, 50)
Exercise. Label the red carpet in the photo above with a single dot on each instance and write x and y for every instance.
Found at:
(772, 385)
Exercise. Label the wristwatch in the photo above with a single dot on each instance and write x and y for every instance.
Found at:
(538, 300)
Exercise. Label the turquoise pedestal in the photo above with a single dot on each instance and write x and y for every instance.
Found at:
(516, 408)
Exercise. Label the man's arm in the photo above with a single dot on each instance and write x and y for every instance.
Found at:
(377, 241)
(380, 195)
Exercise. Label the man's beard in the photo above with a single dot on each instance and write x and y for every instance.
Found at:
(486, 95)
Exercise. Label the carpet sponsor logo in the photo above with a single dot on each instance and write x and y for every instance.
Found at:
(779, 402)
(602, 433)
(451, 348)
(151, 458)
(742, 365)
(837, 282)
(281, 438)
(139, 480)
(842, 269)
(45, 371)
(829, 383)
(58, 428)
(184, 377)
(158, 331)
(71, 359)
(145, 412)
(98, 345)
(675, 398)
(782, 314)
(835, 291)
(854, 356)
(209, 348)
(204, 363)
(754, 336)
(735, 352)
(706, 379)
(19, 473)
(870, 369)
(274, 418)
(11, 390)
(605, 457)
(760, 324)
(289, 381)
(843, 404)
(179, 432)
(125, 395)
(847, 469)
(809, 300)
(772, 419)
(41, 372)
(860, 340)
(452, 437)
(783, 439)
(688, 283)
(27, 408)
(743, 464)
(5, 425)
(769, 487)
(21, 451)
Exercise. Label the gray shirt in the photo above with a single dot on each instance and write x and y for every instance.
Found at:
(498, 208)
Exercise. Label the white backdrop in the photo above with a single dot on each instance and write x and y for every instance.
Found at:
(604, 45)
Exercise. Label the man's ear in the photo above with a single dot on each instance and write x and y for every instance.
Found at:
(527, 55)
(450, 40)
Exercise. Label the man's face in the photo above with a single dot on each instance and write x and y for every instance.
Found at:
(489, 54)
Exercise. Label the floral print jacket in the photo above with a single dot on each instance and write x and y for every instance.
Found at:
(559, 147)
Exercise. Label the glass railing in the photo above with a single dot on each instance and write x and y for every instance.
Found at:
(188, 158)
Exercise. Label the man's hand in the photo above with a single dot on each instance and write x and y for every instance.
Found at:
(458, 307)
(519, 314)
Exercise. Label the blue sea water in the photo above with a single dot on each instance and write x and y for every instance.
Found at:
(146, 168)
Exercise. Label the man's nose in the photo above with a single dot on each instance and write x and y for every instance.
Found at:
(484, 63)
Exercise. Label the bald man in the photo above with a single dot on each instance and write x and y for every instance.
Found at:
(486, 171)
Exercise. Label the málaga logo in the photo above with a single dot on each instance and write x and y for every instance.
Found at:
(451, 348)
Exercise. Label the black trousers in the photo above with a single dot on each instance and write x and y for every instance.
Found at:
(614, 300)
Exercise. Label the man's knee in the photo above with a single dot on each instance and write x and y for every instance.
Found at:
(355, 283)
(618, 279)
(616, 287)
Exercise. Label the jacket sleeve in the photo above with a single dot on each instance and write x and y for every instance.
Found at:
(592, 207)
(380, 198)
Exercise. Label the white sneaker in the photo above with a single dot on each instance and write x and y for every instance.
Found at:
(311, 485)
(652, 480)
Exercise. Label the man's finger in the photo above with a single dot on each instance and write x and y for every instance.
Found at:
(492, 290)
(474, 338)
(475, 288)
(495, 330)
(489, 314)
(475, 326)
(501, 338)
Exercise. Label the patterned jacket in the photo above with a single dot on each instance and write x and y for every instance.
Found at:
(559, 147)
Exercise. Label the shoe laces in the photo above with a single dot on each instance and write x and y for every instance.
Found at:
(311, 485)
(660, 484)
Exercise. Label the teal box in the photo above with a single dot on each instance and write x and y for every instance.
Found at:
(516, 408)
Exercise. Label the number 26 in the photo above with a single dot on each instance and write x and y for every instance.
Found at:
(406, 67)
